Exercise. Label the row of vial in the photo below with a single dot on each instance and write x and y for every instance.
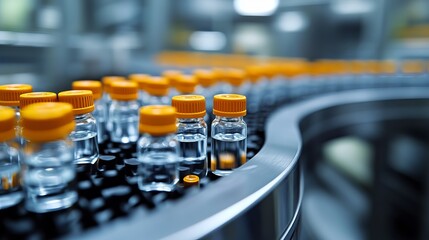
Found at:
(54, 136)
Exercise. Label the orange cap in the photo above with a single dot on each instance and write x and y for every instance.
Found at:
(35, 97)
(269, 70)
(9, 93)
(357, 67)
(81, 100)
(92, 85)
(205, 78)
(186, 84)
(157, 120)
(172, 76)
(42, 122)
(235, 77)
(189, 106)
(191, 180)
(157, 86)
(108, 80)
(121, 90)
(7, 123)
(229, 105)
(140, 79)
(219, 74)
(387, 67)
(412, 67)
(253, 73)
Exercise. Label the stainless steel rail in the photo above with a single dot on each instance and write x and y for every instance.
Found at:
(262, 200)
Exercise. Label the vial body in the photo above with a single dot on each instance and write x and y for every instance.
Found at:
(143, 98)
(229, 144)
(10, 182)
(124, 118)
(85, 139)
(192, 139)
(100, 114)
(157, 100)
(107, 102)
(49, 176)
(158, 163)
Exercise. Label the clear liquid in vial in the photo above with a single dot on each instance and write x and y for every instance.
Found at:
(86, 147)
(158, 171)
(49, 183)
(193, 153)
(228, 153)
(124, 130)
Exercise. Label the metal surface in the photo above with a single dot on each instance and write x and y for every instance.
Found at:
(262, 200)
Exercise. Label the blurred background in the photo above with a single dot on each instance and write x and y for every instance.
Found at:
(50, 43)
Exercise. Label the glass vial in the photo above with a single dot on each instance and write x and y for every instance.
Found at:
(172, 76)
(157, 149)
(48, 170)
(207, 88)
(186, 84)
(157, 88)
(141, 80)
(123, 112)
(191, 134)
(100, 111)
(229, 134)
(107, 100)
(84, 135)
(237, 80)
(9, 96)
(10, 182)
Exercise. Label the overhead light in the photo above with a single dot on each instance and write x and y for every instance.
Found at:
(292, 21)
(256, 7)
(352, 7)
(207, 41)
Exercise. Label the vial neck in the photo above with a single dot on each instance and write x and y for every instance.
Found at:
(124, 102)
(229, 119)
(82, 116)
(158, 137)
(189, 120)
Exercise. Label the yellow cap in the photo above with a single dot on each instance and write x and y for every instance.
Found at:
(157, 120)
(254, 73)
(358, 67)
(42, 122)
(189, 106)
(387, 67)
(108, 80)
(191, 180)
(412, 67)
(121, 90)
(235, 77)
(35, 97)
(157, 86)
(140, 79)
(9, 93)
(92, 85)
(172, 76)
(186, 84)
(205, 78)
(7, 123)
(219, 74)
(269, 70)
(81, 100)
(229, 105)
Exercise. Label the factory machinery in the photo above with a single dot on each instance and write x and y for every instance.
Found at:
(264, 199)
